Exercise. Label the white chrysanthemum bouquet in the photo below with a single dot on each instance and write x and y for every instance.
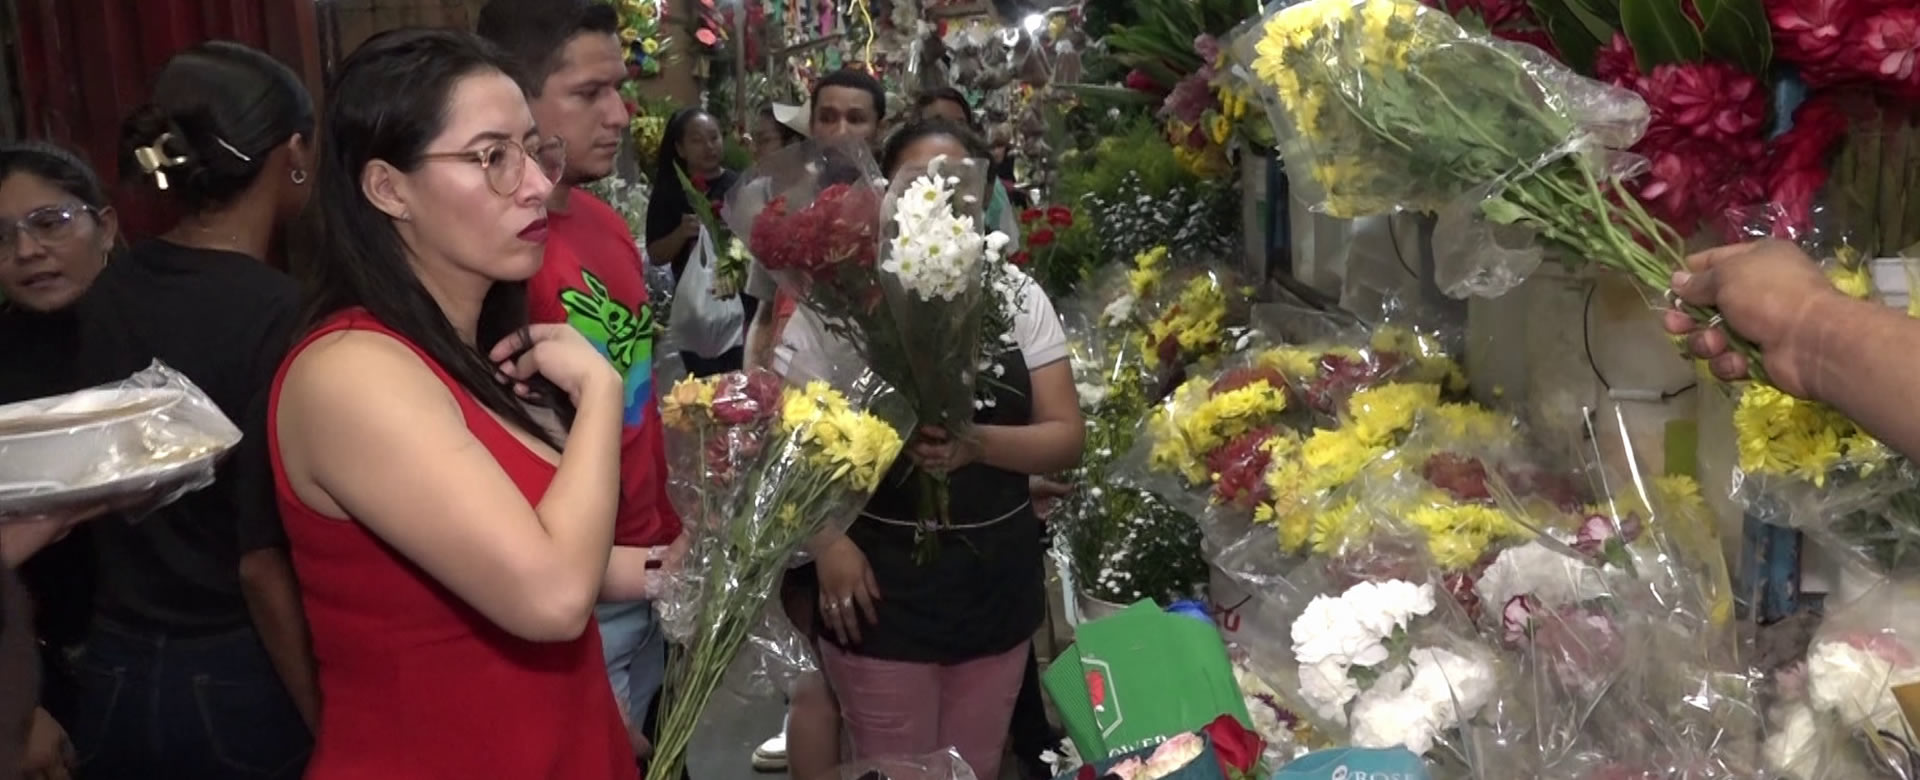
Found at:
(951, 296)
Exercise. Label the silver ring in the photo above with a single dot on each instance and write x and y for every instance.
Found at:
(832, 606)
(1673, 299)
(1714, 322)
(846, 603)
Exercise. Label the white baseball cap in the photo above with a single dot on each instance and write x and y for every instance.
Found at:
(796, 118)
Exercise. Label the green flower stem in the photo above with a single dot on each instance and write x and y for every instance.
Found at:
(735, 587)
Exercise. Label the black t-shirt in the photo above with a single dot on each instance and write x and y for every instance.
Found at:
(668, 206)
(224, 320)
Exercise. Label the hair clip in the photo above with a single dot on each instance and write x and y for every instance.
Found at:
(230, 150)
(153, 158)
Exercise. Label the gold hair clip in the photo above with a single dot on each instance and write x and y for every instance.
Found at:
(153, 158)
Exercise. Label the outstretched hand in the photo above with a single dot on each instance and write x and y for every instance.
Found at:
(1768, 292)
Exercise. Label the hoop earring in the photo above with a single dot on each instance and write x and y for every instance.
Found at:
(298, 176)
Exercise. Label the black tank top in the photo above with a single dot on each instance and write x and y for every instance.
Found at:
(982, 591)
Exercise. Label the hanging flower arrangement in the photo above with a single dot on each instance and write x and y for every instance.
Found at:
(646, 46)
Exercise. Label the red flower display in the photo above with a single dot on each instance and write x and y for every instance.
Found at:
(1060, 216)
(1021, 258)
(1889, 46)
(1809, 31)
(1616, 64)
(1031, 215)
(1717, 101)
(1040, 238)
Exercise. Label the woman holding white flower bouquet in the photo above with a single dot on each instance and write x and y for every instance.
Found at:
(926, 653)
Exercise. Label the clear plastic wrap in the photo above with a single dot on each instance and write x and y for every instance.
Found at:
(1599, 604)
(1804, 464)
(944, 765)
(1389, 104)
(756, 469)
(1844, 711)
(131, 446)
(910, 282)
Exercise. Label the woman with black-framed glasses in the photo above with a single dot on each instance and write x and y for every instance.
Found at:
(450, 549)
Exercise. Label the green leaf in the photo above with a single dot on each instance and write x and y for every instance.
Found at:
(1660, 32)
(1737, 31)
(703, 208)
(1578, 41)
(1600, 17)
(1501, 211)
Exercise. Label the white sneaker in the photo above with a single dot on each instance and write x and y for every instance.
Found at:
(771, 755)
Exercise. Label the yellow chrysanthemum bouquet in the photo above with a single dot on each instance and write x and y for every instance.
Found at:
(1803, 463)
(1385, 105)
(756, 469)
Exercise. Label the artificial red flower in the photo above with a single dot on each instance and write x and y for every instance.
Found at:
(1675, 185)
(1888, 47)
(1717, 100)
(1616, 64)
(1237, 747)
(1810, 33)
(1040, 238)
(1021, 257)
(1060, 216)
(1031, 215)
(1139, 81)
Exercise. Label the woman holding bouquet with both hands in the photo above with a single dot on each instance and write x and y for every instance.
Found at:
(929, 653)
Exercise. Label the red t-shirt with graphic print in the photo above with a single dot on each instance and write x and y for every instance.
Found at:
(592, 279)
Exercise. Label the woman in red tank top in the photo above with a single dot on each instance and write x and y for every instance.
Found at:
(449, 553)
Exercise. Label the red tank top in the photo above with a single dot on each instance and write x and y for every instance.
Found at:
(414, 683)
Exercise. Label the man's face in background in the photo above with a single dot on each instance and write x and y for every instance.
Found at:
(581, 104)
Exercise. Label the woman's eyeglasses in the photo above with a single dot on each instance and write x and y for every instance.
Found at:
(48, 225)
(505, 162)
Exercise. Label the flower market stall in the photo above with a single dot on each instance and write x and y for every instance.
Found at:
(1390, 468)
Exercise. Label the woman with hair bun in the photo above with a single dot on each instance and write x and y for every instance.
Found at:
(195, 660)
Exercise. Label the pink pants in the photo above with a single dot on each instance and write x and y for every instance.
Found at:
(899, 709)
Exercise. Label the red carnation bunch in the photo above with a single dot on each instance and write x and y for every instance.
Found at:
(1038, 230)
(1342, 376)
(1239, 466)
(840, 227)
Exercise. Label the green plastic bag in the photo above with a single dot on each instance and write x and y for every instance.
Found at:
(1137, 677)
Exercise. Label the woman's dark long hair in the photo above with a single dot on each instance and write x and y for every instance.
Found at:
(222, 108)
(387, 103)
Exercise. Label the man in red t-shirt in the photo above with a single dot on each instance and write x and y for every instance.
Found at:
(574, 64)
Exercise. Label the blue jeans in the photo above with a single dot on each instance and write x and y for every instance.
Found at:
(207, 708)
(636, 653)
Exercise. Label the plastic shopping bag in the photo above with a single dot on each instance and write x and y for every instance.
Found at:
(701, 321)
